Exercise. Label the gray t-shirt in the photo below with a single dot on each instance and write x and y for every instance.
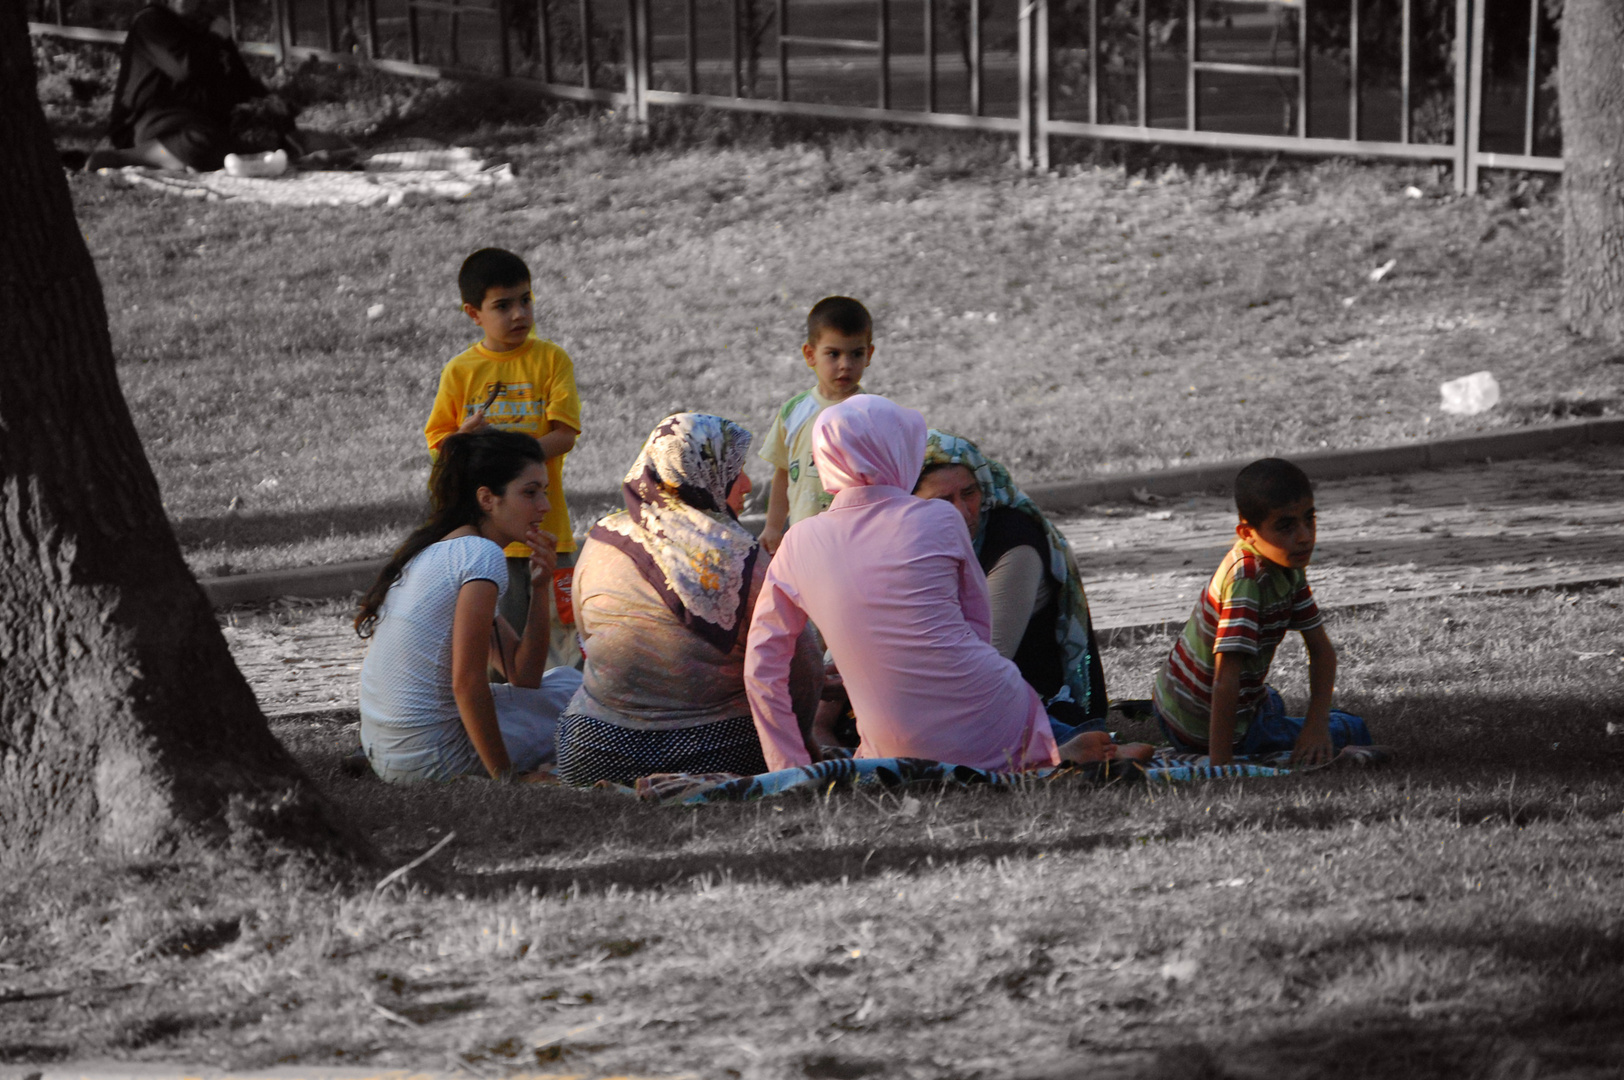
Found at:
(408, 712)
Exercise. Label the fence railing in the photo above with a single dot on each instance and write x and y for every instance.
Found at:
(1462, 83)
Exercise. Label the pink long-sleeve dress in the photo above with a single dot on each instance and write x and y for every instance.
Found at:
(895, 588)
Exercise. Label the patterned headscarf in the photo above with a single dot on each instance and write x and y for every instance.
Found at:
(677, 527)
(1073, 628)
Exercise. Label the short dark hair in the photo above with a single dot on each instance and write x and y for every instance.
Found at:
(1266, 485)
(489, 268)
(841, 314)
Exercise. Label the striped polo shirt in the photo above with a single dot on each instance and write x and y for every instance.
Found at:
(1246, 608)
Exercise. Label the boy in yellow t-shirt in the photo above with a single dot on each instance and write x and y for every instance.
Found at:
(839, 345)
(515, 381)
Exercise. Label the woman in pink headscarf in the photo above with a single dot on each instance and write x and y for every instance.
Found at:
(894, 586)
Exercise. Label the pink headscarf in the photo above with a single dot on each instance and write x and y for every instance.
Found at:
(868, 441)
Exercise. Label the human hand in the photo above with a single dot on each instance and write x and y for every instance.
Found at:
(1313, 746)
(770, 539)
(475, 422)
(543, 556)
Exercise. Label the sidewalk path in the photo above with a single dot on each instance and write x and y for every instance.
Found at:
(1521, 524)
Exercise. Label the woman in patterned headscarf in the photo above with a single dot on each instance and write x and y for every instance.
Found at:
(663, 594)
(1039, 610)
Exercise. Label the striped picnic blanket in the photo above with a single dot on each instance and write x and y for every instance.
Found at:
(889, 774)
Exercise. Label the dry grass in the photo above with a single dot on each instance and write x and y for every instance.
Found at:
(1099, 319)
(1453, 915)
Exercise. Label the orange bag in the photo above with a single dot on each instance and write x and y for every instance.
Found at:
(563, 591)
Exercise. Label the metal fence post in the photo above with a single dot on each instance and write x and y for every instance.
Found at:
(884, 38)
(783, 50)
(1023, 81)
(975, 57)
(1041, 76)
(1093, 61)
(1304, 71)
(1531, 100)
(1463, 88)
(1143, 74)
(1192, 45)
(544, 39)
(1474, 98)
(1353, 68)
(586, 44)
(930, 55)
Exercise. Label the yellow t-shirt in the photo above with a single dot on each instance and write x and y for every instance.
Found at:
(788, 446)
(539, 382)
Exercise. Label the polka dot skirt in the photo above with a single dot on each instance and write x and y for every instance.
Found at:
(590, 750)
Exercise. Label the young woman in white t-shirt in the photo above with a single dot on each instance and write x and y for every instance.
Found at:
(428, 709)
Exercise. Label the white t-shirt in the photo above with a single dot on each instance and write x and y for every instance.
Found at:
(408, 712)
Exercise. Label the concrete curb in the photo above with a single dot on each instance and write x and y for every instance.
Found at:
(1335, 464)
(341, 579)
(118, 1070)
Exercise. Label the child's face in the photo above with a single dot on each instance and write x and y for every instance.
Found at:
(1286, 536)
(506, 316)
(838, 361)
(957, 485)
(523, 503)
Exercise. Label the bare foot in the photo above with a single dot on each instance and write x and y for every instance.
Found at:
(1093, 746)
(1087, 747)
(1135, 751)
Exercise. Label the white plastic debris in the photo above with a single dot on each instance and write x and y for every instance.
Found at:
(274, 163)
(375, 311)
(1383, 270)
(1470, 395)
(1413, 192)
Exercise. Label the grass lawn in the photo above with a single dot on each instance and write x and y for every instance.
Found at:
(1098, 319)
(1455, 914)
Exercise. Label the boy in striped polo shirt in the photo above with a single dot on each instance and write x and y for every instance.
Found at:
(1212, 696)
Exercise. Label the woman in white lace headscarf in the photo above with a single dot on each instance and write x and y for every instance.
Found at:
(663, 594)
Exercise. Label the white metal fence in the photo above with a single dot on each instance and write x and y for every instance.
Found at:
(1462, 83)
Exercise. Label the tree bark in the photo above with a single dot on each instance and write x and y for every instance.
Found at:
(1591, 75)
(124, 724)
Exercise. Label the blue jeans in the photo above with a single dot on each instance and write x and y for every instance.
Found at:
(1064, 733)
(1272, 731)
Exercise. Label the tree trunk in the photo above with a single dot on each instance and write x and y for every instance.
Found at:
(124, 724)
(1591, 73)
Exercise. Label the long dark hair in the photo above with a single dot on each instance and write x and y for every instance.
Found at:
(484, 459)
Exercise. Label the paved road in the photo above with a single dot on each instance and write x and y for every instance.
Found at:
(1522, 524)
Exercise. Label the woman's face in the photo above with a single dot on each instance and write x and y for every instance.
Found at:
(957, 485)
(522, 504)
(735, 496)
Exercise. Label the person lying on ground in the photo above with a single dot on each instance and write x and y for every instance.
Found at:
(1212, 695)
(839, 345)
(514, 380)
(1039, 609)
(664, 591)
(184, 99)
(893, 584)
(428, 710)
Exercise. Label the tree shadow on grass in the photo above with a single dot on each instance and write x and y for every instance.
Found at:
(1469, 759)
(1567, 1025)
(266, 529)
